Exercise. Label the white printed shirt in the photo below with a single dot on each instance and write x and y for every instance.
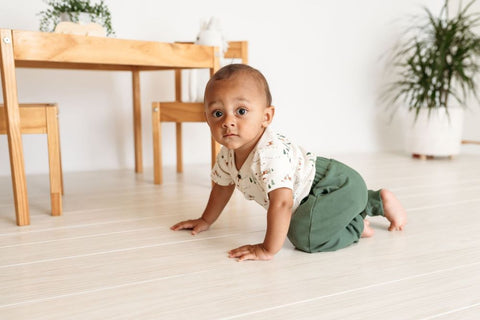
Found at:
(274, 163)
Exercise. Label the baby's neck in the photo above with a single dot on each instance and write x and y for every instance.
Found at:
(240, 159)
(241, 154)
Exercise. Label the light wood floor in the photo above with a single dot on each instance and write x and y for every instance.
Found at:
(112, 256)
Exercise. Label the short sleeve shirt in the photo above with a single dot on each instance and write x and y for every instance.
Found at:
(274, 163)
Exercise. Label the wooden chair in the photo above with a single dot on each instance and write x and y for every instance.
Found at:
(180, 112)
(42, 118)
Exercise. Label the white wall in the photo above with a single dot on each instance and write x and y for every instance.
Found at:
(321, 59)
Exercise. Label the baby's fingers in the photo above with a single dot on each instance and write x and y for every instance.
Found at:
(182, 225)
(243, 253)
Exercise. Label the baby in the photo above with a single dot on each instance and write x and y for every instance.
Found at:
(319, 203)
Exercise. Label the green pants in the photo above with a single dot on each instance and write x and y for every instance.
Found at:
(331, 216)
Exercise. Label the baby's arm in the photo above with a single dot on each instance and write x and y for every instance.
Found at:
(219, 197)
(278, 221)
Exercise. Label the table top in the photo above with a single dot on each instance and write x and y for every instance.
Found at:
(33, 49)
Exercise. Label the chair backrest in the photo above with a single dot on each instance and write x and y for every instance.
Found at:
(237, 50)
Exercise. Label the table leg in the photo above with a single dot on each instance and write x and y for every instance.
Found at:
(17, 167)
(137, 121)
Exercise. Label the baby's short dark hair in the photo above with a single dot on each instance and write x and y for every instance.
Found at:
(235, 68)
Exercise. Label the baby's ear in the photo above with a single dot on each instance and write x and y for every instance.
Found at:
(268, 116)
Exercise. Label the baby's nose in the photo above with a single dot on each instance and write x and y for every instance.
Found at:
(229, 121)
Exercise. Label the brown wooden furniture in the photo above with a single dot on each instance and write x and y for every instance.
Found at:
(30, 49)
(470, 142)
(42, 119)
(180, 112)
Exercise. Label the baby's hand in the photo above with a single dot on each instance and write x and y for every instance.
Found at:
(250, 252)
(196, 225)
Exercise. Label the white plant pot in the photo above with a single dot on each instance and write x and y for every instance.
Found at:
(437, 134)
(83, 17)
(84, 26)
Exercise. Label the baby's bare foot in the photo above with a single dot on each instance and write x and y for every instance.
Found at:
(367, 230)
(394, 211)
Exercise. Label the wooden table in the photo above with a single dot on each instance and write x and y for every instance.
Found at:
(27, 49)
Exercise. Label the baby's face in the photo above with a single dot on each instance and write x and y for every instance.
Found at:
(236, 112)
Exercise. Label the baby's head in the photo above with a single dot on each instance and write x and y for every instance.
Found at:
(245, 72)
(238, 106)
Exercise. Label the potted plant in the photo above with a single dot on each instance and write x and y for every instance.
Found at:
(75, 11)
(435, 65)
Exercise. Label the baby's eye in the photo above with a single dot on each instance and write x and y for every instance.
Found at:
(217, 113)
(242, 111)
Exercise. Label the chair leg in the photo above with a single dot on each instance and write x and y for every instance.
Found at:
(54, 161)
(59, 151)
(178, 130)
(60, 159)
(157, 144)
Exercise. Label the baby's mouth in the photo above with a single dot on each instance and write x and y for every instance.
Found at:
(229, 134)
